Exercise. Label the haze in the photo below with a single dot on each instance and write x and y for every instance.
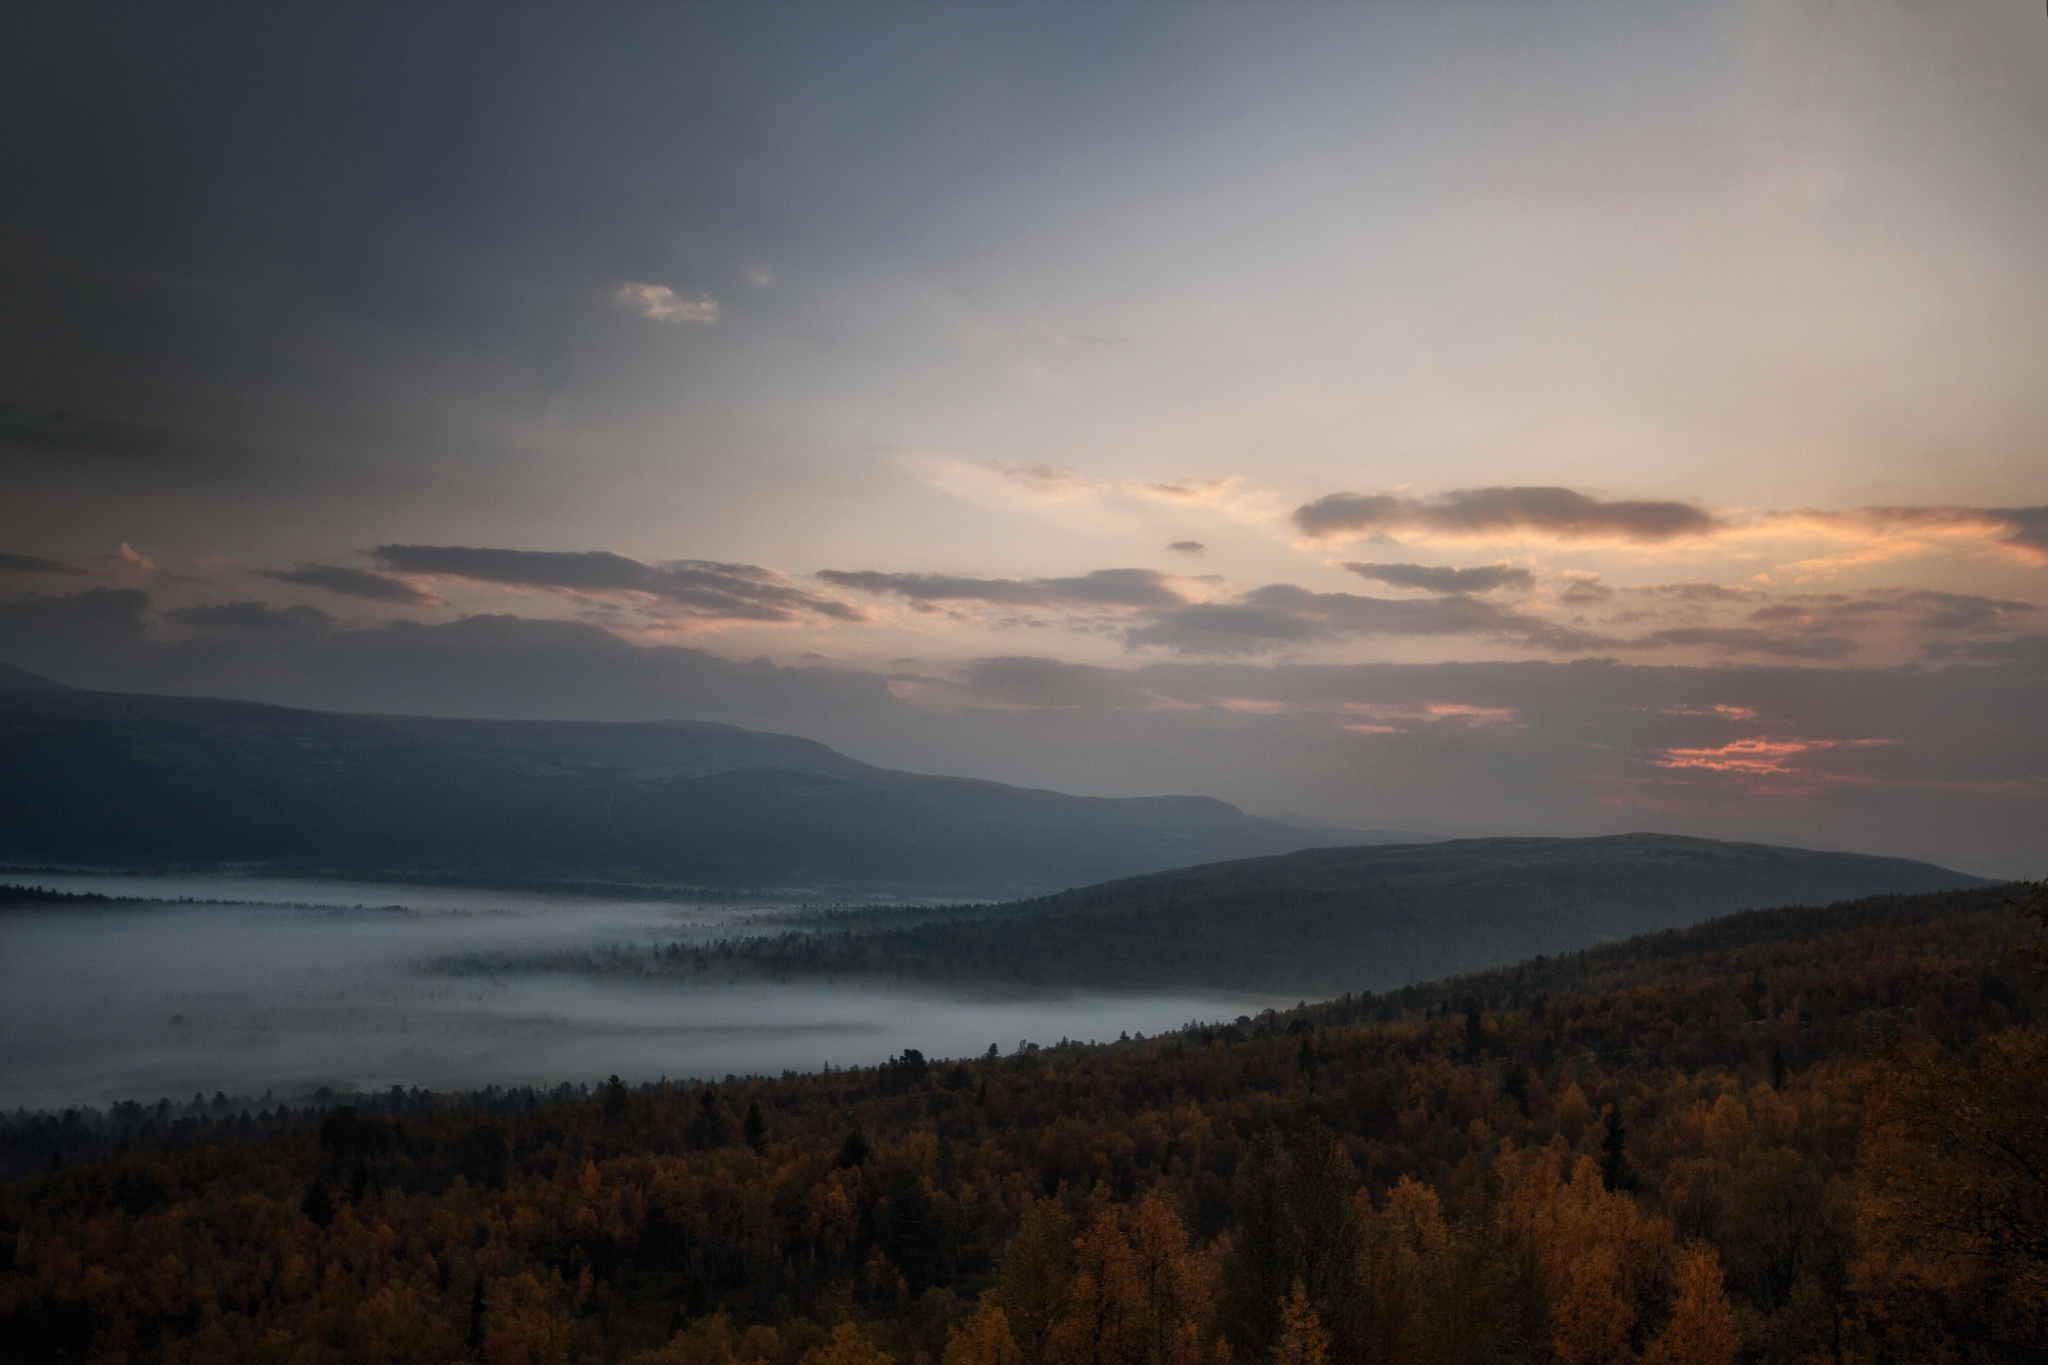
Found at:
(253, 998)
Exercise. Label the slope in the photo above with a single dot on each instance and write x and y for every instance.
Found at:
(1323, 921)
(124, 780)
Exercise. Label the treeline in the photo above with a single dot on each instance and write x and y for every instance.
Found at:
(36, 1141)
(1790, 1137)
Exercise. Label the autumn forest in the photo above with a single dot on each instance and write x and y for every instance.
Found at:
(1798, 1135)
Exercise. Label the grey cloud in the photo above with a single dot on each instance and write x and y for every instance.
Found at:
(702, 589)
(62, 431)
(1700, 592)
(1188, 547)
(250, 616)
(1918, 607)
(1101, 588)
(2021, 528)
(1041, 684)
(31, 564)
(1281, 614)
(1443, 579)
(96, 612)
(377, 587)
(2029, 527)
(1561, 513)
(2028, 650)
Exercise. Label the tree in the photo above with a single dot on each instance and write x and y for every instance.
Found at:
(1954, 1213)
(1328, 1239)
(984, 1340)
(1302, 1341)
(1615, 1172)
(1701, 1330)
(318, 1204)
(1036, 1277)
(1264, 1255)
(846, 1346)
(755, 1129)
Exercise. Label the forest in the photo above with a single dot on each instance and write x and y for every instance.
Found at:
(1799, 1135)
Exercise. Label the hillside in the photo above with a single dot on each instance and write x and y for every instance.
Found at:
(1702, 1146)
(122, 780)
(1325, 921)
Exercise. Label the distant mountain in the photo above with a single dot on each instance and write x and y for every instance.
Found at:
(13, 679)
(111, 779)
(1328, 920)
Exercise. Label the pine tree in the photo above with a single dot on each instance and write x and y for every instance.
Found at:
(755, 1129)
(1264, 1255)
(1615, 1172)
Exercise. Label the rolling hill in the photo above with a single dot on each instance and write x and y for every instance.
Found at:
(1329, 920)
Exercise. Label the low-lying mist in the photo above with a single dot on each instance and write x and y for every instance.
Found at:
(303, 984)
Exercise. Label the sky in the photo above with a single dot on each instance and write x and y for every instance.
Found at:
(1466, 418)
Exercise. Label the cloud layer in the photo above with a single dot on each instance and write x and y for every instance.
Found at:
(697, 589)
(364, 583)
(1100, 588)
(1433, 578)
(1556, 514)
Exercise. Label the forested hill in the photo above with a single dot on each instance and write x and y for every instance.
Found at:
(1714, 1145)
(1325, 921)
(107, 779)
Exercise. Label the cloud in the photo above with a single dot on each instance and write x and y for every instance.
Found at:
(256, 617)
(1921, 608)
(1491, 514)
(1282, 615)
(662, 304)
(377, 587)
(1888, 532)
(1188, 547)
(1432, 578)
(31, 564)
(96, 612)
(62, 431)
(1743, 640)
(1101, 588)
(701, 590)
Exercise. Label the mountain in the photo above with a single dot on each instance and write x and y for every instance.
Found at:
(13, 679)
(1328, 920)
(111, 779)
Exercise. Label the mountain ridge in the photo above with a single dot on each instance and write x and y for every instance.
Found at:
(138, 780)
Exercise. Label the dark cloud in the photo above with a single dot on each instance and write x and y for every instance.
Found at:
(1558, 513)
(2028, 527)
(1695, 593)
(2019, 528)
(1914, 608)
(1188, 547)
(1280, 615)
(1583, 589)
(700, 589)
(31, 564)
(377, 587)
(1101, 588)
(2028, 650)
(64, 432)
(250, 616)
(1434, 578)
(89, 615)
